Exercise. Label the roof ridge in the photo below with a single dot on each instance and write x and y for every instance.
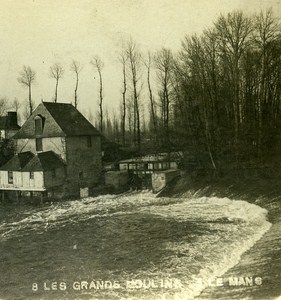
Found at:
(56, 103)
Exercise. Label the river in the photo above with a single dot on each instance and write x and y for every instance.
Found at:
(128, 246)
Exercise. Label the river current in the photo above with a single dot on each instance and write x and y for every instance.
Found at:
(128, 246)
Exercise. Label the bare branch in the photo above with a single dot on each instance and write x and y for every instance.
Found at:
(27, 78)
(76, 68)
(56, 72)
(98, 64)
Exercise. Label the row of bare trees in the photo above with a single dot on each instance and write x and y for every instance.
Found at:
(228, 89)
(142, 76)
(218, 96)
(131, 128)
(27, 77)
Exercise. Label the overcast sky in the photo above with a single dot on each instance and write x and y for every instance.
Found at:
(39, 33)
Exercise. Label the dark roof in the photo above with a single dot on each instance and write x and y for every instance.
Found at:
(17, 162)
(44, 161)
(7, 124)
(58, 120)
(70, 120)
(29, 162)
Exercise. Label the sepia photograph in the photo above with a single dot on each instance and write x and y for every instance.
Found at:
(140, 150)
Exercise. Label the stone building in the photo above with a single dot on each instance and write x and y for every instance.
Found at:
(58, 153)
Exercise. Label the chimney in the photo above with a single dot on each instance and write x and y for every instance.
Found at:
(12, 120)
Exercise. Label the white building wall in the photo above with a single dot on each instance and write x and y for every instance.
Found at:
(22, 181)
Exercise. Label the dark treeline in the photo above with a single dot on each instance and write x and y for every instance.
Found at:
(219, 96)
(227, 90)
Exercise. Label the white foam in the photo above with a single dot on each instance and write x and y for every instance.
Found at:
(227, 253)
(238, 225)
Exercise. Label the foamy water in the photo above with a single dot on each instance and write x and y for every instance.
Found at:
(189, 240)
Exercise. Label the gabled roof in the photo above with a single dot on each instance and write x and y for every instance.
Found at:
(29, 162)
(60, 119)
(70, 120)
(17, 162)
(44, 161)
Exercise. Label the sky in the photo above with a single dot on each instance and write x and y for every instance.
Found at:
(39, 33)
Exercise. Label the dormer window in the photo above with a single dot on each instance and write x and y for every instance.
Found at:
(38, 125)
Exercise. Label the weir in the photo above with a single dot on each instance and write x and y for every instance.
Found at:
(147, 172)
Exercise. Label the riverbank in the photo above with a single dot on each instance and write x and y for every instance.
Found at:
(263, 260)
(262, 191)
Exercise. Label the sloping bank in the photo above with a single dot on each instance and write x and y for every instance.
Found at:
(258, 273)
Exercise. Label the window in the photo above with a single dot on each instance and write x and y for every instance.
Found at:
(39, 144)
(54, 173)
(31, 175)
(81, 175)
(38, 125)
(10, 177)
(89, 141)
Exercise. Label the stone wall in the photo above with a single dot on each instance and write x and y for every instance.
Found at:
(53, 178)
(161, 178)
(84, 163)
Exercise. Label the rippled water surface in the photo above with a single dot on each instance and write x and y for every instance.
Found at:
(130, 246)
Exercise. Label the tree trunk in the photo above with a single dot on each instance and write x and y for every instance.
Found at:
(56, 91)
(101, 100)
(30, 100)
(152, 105)
(124, 106)
(75, 92)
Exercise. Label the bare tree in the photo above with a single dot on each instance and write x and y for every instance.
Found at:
(98, 64)
(164, 66)
(27, 78)
(123, 60)
(134, 59)
(115, 127)
(3, 105)
(265, 39)
(233, 32)
(148, 65)
(25, 111)
(130, 114)
(56, 72)
(16, 105)
(76, 68)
